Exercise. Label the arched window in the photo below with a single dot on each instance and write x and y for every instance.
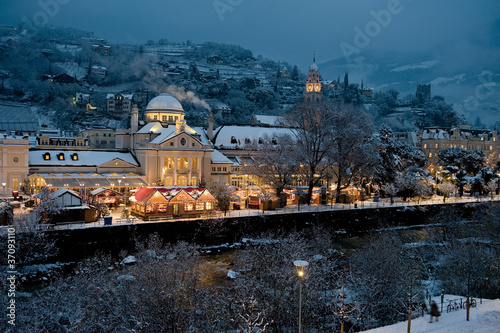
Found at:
(46, 157)
(60, 156)
(74, 157)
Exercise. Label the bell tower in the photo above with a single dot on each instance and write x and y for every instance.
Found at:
(313, 86)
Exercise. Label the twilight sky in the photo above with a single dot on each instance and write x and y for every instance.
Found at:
(289, 30)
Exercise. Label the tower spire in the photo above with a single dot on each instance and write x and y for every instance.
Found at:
(314, 57)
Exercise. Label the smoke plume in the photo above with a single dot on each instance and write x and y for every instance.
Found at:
(182, 95)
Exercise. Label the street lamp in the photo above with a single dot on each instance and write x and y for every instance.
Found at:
(3, 185)
(119, 183)
(300, 266)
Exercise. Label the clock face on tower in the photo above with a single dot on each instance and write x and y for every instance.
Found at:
(309, 87)
(317, 87)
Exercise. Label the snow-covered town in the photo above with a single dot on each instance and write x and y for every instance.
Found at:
(215, 178)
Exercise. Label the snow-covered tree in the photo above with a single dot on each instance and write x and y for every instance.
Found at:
(395, 156)
(414, 182)
(446, 189)
(223, 194)
(492, 187)
(46, 209)
(461, 162)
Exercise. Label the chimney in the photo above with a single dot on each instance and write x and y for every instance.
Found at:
(134, 125)
(134, 119)
(210, 130)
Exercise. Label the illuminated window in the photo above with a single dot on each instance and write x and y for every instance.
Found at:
(195, 163)
(169, 163)
(182, 163)
(436, 145)
(209, 205)
(46, 157)
(60, 157)
(200, 206)
(74, 157)
(430, 154)
(188, 207)
(425, 145)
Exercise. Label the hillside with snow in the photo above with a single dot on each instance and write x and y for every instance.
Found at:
(485, 318)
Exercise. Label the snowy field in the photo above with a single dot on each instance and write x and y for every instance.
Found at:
(485, 318)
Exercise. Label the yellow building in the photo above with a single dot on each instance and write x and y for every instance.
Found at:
(169, 152)
(435, 139)
(14, 159)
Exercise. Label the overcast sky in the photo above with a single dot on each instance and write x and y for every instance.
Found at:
(289, 30)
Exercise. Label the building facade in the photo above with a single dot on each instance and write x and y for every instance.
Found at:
(119, 104)
(434, 139)
(169, 151)
(14, 163)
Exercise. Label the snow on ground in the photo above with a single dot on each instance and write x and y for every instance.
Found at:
(485, 318)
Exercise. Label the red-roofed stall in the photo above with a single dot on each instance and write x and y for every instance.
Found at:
(150, 202)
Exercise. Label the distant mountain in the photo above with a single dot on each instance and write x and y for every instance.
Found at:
(462, 72)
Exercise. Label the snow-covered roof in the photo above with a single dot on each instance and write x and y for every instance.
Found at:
(166, 132)
(268, 120)
(164, 102)
(233, 136)
(17, 117)
(86, 157)
(219, 158)
(221, 106)
(125, 96)
(62, 191)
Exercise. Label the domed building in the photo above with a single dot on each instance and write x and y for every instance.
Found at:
(170, 152)
(164, 108)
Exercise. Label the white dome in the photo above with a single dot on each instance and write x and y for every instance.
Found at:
(164, 102)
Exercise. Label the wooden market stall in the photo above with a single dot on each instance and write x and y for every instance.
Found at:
(106, 196)
(150, 202)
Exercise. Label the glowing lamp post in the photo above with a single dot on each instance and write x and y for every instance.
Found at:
(301, 267)
(3, 185)
(119, 183)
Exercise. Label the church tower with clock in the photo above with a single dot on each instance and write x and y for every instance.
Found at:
(313, 86)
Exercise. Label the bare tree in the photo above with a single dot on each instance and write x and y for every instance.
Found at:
(312, 125)
(274, 164)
